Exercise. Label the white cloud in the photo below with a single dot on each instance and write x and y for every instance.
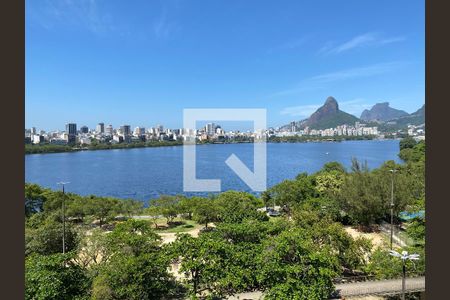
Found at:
(323, 80)
(302, 111)
(92, 15)
(356, 72)
(360, 41)
(163, 26)
(76, 13)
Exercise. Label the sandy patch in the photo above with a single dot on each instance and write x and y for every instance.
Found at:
(376, 237)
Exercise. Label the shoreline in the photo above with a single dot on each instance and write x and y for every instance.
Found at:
(175, 144)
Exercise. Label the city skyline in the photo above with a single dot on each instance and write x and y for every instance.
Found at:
(150, 61)
(233, 125)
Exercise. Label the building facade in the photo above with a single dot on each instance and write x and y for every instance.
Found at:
(100, 128)
(71, 131)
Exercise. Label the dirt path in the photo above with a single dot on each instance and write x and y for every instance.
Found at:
(169, 237)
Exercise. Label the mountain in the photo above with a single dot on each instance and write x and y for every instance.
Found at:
(382, 112)
(420, 112)
(387, 119)
(328, 115)
(416, 118)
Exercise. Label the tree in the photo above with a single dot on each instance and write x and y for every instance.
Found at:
(358, 167)
(206, 211)
(129, 207)
(289, 193)
(135, 266)
(34, 199)
(187, 205)
(294, 289)
(291, 266)
(414, 154)
(407, 143)
(329, 183)
(382, 265)
(333, 166)
(322, 207)
(168, 206)
(102, 208)
(416, 231)
(236, 206)
(324, 232)
(249, 230)
(54, 200)
(224, 261)
(139, 277)
(266, 199)
(54, 277)
(132, 237)
(43, 235)
(408, 187)
(359, 197)
(154, 212)
(77, 208)
(92, 249)
(203, 261)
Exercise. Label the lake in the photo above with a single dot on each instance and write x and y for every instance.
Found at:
(145, 173)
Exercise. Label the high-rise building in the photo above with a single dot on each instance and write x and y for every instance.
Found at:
(84, 129)
(36, 139)
(293, 127)
(219, 130)
(139, 131)
(159, 129)
(109, 130)
(71, 130)
(33, 130)
(100, 128)
(126, 130)
(210, 128)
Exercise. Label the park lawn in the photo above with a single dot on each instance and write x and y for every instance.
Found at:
(179, 225)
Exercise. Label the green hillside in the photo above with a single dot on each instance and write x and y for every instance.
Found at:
(336, 119)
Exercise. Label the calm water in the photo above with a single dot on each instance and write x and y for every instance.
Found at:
(146, 173)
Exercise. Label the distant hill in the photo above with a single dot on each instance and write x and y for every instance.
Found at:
(416, 118)
(420, 112)
(382, 112)
(327, 116)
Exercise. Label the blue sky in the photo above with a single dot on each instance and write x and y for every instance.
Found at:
(142, 62)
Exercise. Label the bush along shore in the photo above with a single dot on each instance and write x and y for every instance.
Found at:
(53, 148)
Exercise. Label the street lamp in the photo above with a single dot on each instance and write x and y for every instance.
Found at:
(404, 256)
(392, 204)
(63, 216)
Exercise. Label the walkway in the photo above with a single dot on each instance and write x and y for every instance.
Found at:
(365, 288)
(380, 287)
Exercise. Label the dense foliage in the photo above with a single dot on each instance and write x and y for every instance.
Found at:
(55, 276)
(294, 255)
(51, 148)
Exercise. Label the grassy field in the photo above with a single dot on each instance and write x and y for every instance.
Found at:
(177, 226)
